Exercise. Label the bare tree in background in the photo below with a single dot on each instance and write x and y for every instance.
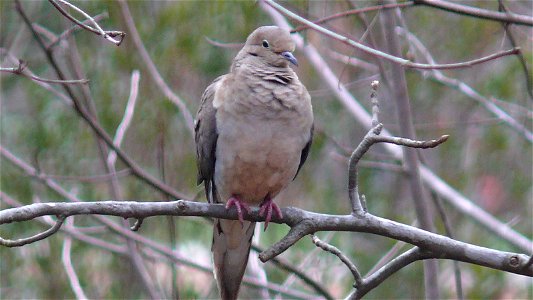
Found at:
(118, 134)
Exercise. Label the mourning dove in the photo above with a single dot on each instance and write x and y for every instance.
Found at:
(253, 132)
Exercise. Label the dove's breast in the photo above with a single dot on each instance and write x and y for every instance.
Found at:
(260, 140)
(256, 157)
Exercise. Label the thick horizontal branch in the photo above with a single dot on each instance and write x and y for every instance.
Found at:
(302, 223)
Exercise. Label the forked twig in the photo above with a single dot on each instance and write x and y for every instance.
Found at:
(107, 34)
(21, 70)
(372, 137)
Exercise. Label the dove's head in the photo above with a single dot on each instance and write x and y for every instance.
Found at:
(272, 45)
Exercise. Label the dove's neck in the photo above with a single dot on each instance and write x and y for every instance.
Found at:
(250, 65)
(263, 72)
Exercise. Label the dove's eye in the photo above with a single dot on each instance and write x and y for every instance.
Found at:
(265, 44)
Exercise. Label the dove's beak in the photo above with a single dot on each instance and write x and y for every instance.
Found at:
(288, 56)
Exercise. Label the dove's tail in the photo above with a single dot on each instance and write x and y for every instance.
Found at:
(231, 247)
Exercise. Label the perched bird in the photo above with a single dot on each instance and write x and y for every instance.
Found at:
(253, 132)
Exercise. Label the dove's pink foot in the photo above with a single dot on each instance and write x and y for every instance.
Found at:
(267, 207)
(239, 205)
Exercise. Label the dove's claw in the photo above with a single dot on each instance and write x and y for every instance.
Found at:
(267, 207)
(239, 205)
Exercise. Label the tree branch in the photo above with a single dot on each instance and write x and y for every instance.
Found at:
(465, 88)
(126, 119)
(398, 60)
(282, 264)
(506, 17)
(371, 138)
(302, 223)
(34, 238)
(108, 35)
(521, 58)
(20, 70)
(345, 260)
(69, 268)
(159, 248)
(86, 116)
(355, 11)
(373, 280)
(300, 220)
(152, 69)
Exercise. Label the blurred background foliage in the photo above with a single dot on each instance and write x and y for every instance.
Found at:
(483, 159)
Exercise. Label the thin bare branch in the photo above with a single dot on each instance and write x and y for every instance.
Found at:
(69, 268)
(375, 103)
(108, 35)
(392, 267)
(356, 11)
(395, 59)
(75, 232)
(44, 85)
(21, 70)
(411, 143)
(372, 137)
(352, 61)
(357, 154)
(506, 17)
(222, 44)
(152, 69)
(345, 260)
(509, 34)
(295, 271)
(387, 257)
(466, 89)
(116, 192)
(65, 34)
(34, 238)
(128, 116)
(87, 117)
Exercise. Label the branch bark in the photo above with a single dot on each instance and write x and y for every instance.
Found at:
(302, 223)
